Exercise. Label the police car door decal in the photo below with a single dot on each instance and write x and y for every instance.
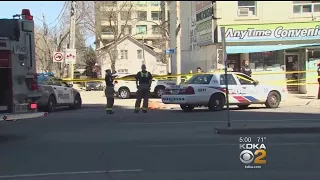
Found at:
(68, 91)
(59, 92)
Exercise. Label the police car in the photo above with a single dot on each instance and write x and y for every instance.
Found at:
(210, 90)
(127, 87)
(56, 94)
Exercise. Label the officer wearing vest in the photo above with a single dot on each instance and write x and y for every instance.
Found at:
(109, 91)
(143, 82)
(245, 69)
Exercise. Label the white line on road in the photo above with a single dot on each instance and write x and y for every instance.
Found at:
(228, 144)
(69, 173)
(257, 120)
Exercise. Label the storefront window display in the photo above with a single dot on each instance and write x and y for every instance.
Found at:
(267, 61)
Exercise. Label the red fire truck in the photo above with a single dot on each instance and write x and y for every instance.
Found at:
(18, 78)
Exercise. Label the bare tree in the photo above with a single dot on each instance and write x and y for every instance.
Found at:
(108, 18)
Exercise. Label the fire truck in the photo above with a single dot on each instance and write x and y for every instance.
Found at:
(18, 78)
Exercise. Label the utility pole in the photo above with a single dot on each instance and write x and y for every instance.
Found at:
(45, 33)
(72, 40)
(178, 40)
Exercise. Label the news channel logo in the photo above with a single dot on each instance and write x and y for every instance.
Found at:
(253, 155)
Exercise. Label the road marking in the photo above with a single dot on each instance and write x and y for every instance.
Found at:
(69, 173)
(190, 122)
(227, 144)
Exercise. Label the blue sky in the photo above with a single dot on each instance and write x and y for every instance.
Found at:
(51, 10)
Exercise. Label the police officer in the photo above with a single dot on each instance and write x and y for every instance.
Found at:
(245, 69)
(109, 91)
(143, 82)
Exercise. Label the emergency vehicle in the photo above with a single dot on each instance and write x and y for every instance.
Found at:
(19, 88)
(125, 86)
(56, 93)
(210, 90)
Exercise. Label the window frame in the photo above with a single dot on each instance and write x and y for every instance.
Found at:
(125, 15)
(192, 79)
(156, 12)
(144, 18)
(255, 12)
(244, 76)
(300, 4)
(223, 80)
(125, 55)
(124, 27)
(154, 27)
(139, 54)
(140, 26)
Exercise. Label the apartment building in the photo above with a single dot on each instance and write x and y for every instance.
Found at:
(277, 36)
(139, 19)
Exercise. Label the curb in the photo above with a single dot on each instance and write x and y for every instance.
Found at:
(271, 130)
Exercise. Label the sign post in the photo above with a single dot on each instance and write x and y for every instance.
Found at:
(224, 48)
(58, 57)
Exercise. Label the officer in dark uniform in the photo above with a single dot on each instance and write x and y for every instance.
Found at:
(143, 81)
(109, 91)
(245, 69)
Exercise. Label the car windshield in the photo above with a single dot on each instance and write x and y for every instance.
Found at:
(200, 79)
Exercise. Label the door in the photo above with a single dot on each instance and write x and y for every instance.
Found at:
(292, 64)
(58, 91)
(233, 61)
(68, 93)
(248, 89)
(232, 86)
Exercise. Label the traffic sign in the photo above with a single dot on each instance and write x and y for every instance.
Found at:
(169, 51)
(58, 57)
(70, 56)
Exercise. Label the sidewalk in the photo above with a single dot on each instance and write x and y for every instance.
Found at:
(302, 100)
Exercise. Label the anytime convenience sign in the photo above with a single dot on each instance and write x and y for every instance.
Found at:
(272, 32)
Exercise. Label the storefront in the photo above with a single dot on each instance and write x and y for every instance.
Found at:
(273, 50)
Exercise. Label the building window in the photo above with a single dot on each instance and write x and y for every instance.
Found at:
(108, 29)
(142, 15)
(125, 15)
(123, 70)
(123, 54)
(141, 29)
(306, 6)
(142, 3)
(266, 61)
(156, 29)
(139, 54)
(126, 30)
(247, 8)
(155, 15)
(155, 3)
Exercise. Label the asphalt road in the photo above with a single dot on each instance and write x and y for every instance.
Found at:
(168, 144)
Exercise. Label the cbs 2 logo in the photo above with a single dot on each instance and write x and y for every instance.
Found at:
(202, 90)
(246, 156)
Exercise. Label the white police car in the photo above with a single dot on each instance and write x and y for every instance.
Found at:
(209, 90)
(56, 94)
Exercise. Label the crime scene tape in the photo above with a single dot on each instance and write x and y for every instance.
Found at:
(189, 75)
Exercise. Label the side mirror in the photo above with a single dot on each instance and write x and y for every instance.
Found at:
(70, 85)
(256, 83)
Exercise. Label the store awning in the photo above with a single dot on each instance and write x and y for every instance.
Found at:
(263, 48)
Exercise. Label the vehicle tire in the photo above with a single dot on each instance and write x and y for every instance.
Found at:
(187, 108)
(77, 103)
(273, 100)
(243, 106)
(124, 93)
(216, 102)
(52, 103)
(159, 91)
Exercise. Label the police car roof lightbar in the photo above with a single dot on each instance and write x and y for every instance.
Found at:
(26, 14)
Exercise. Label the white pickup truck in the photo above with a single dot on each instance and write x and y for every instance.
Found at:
(127, 87)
